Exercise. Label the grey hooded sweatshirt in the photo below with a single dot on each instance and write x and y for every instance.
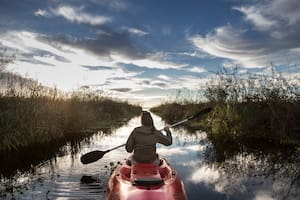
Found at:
(142, 141)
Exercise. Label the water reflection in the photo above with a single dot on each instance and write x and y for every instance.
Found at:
(243, 176)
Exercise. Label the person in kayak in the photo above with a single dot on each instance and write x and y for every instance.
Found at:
(142, 141)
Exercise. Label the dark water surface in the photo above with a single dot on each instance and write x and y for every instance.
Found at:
(244, 176)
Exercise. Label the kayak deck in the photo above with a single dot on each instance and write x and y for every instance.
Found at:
(145, 182)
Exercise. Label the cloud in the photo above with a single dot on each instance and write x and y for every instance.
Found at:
(113, 46)
(173, 82)
(96, 68)
(197, 69)
(135, 31)
(77, 15)
(287, 9)
(227, 42)
(43, 13)
(150, 60)
(255, 16)
(272, 36)
(74, 14)
(159, 84)
(145, 82)
(164, 77)
(196, 54)
(279, 18)
(115, 5)
(103, 45)
(190, 82)
(235, 44)
(52, 61)
(121, 89)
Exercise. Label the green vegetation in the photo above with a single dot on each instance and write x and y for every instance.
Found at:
(35, 122)
(37, 119)
(255, 109)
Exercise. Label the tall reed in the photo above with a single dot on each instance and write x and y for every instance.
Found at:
(31, 114)
(256, 107)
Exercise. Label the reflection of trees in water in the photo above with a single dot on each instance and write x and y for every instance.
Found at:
(38, 163)
(277, 173)
(256, 171)
(260, 171)
(28, 158)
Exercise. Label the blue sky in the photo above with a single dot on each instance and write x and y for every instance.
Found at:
(147, 50)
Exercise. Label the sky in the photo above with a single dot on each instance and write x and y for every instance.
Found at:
(147, 51)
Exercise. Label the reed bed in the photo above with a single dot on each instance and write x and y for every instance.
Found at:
(262, 108)
(31, 114)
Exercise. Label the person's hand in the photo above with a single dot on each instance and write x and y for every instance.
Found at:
(167, 128)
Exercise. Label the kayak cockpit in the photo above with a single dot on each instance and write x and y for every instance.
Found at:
(145, 181)
(148, 181)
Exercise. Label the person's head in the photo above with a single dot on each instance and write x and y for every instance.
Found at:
(146, 119)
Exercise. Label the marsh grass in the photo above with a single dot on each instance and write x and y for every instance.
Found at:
(258, 107)
(34, 118)
(248, 109)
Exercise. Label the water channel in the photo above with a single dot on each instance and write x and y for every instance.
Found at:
(245, 176)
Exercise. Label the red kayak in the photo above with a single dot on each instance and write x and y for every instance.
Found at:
(145, 181)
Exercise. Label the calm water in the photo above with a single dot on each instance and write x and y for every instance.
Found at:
(243, 177)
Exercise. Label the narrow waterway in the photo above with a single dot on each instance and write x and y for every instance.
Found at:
(243, 177)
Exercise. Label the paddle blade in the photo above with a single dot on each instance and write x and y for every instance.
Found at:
(92, 156)
(202, 112)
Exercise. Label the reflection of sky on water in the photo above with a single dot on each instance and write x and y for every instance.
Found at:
(236, 179)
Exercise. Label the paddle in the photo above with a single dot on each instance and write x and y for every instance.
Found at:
(96, 155)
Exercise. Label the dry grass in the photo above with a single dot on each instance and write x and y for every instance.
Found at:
(262, 107)
(31, 114)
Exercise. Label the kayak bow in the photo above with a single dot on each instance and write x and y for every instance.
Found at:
(144, 181)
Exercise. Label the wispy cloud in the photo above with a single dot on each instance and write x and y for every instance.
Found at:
(118, 48)
(78, 15)
(164, 77)
(74, 14)
(228, 42)
(43, 13)
(273, 37)
(190, 82)
(150, 60)
(197, 69)
(103, 45)
(121, 89)
(280, 18)
(135, 31)
(196, 54)
(257, 17)
(243, 47)
(115, 5)
(160, 84)
(52, 62)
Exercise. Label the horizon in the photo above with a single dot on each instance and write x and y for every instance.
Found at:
(147, 51)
